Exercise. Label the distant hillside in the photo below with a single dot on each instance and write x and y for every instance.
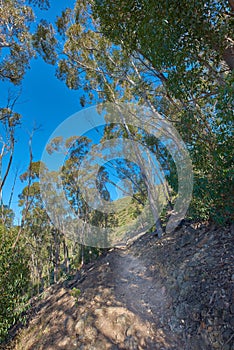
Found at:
(129, 219)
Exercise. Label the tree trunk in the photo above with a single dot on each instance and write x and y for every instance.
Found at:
(82, 255)
(56, 254)
(228, 57)
(147, 177)
(66, 256)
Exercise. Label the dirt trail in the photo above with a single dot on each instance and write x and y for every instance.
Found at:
(121, 306)
(175, 293)
(136, 287)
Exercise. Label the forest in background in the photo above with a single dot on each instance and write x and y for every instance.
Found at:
(177, 59)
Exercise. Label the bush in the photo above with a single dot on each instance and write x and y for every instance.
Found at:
(14, 280)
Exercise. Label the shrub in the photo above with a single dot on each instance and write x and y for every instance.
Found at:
(14, 279)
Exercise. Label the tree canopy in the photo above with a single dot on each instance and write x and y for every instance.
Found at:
(175, 58)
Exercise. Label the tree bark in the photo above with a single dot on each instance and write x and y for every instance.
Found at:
(228, 57)
(231, 4)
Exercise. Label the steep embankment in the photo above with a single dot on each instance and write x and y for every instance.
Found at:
(173, 293)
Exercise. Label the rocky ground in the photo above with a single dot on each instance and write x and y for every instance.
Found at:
(173, 293)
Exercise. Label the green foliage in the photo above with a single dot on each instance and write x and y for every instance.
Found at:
(75, 292)
(6, 216)
(44, 42)
(15, 39)
(189, 47)
(14, 279)
(169, 34)
(18, 43)
(175, 57)
(42, 4)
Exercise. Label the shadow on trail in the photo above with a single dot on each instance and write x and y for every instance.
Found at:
(121, 306)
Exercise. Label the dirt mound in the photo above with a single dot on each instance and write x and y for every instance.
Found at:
(173, 293)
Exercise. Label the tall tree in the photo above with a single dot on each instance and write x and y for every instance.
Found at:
(171, 57)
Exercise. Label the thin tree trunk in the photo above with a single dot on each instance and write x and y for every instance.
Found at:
(66, 256)
(56, 254)
(82, 255)
(231, 3)
(146, 176)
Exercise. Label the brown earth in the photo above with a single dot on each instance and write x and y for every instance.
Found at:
(174, 293)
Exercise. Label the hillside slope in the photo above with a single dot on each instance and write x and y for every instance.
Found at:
(173, 293)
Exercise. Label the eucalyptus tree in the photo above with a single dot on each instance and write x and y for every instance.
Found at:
(72, 211)
(51, 250)
(174, 58)
(103, 70)
(35, 227)
(190, 46)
